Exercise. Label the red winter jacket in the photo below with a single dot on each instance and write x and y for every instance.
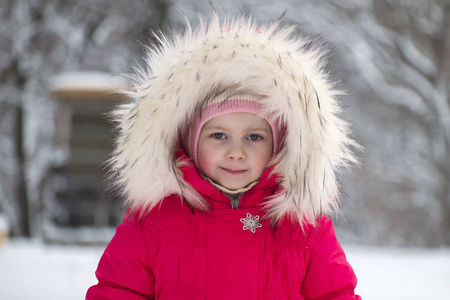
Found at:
(175, 252)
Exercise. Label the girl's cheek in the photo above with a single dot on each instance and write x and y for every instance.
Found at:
(206, 159)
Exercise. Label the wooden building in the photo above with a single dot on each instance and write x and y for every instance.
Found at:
(80, 207)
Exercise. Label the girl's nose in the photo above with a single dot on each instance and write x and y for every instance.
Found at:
(236, 152)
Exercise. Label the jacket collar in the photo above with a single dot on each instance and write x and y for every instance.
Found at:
(253, 198)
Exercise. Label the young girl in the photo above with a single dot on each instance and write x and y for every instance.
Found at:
(227, 158)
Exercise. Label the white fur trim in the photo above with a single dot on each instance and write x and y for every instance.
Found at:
(188, 70)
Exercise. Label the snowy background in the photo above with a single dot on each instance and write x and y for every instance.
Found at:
(392, 56)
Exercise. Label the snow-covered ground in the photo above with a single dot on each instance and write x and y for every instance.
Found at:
(32, 270)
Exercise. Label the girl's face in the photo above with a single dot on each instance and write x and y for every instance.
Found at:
(234, 149)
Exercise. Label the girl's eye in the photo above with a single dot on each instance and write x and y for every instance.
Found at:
(218, 136)
(254, 137)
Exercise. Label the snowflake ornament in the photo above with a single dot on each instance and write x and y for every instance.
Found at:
(251, 223)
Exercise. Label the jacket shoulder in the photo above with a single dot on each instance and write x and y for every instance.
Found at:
(329, 273)
(172, 216)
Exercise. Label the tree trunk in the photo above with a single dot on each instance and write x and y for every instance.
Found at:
(21, 185)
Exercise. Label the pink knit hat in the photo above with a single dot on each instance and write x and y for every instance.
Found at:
(237, 104)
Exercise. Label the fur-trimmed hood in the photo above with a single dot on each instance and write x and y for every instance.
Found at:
(186, 71)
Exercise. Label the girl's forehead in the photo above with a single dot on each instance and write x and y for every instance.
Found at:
(238, 120)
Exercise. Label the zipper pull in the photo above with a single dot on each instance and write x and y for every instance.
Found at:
(234, 203)
(234, 200)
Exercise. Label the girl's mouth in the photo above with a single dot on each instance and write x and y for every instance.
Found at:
(233, 171)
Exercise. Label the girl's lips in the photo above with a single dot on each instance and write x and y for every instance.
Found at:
(233, 172)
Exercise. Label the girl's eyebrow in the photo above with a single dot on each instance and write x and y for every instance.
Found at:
(258, 126)
(250, 128)
(219, 128)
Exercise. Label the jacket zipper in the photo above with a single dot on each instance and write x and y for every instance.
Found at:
(234, 200)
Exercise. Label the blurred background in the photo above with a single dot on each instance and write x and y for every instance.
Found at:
(61, 60)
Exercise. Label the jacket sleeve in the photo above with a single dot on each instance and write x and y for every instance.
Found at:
(125, 270)
(329, 276)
